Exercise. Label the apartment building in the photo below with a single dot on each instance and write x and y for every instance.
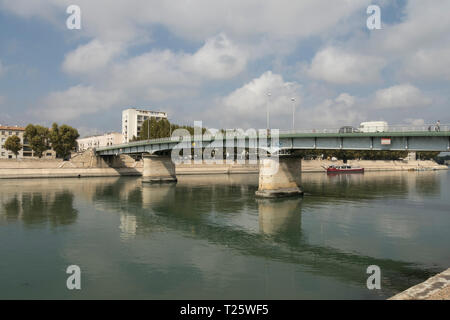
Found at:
(25, 152)
(5, 133)
(132, 120)
(107, 139)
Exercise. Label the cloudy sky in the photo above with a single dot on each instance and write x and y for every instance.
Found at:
(216, 61)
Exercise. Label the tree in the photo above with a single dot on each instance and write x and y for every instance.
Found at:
(38, 138)
(158, 129)
(13, 144)
(427, 155)
(161, 129)
(63, 139)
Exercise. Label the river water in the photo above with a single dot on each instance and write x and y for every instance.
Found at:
(207, 237)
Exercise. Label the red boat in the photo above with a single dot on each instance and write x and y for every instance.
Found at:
(344, 169)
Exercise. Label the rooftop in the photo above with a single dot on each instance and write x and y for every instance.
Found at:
(100, 135)
(146, 111)
(17, 128)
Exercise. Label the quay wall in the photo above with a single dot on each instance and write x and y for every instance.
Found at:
(435, 288)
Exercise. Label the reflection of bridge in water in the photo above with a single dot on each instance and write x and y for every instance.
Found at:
(278, 235)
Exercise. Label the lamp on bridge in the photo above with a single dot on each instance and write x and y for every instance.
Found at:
(293, 113)
(269, 94)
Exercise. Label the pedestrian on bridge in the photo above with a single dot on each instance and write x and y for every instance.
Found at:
(438, 126)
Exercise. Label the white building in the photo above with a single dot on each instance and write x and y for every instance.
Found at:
(132, 120)
(105, 140)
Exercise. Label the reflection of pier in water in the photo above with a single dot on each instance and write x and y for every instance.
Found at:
(279, 237)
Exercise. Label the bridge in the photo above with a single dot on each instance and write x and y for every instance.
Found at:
(280, 163)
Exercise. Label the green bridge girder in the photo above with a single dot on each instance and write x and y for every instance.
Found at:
(396, 141)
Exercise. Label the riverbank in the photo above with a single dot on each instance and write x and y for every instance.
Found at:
(435, 288)
(375, 165)
(87, 165)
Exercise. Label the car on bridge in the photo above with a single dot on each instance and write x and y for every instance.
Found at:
(348, 129)
(374, 126)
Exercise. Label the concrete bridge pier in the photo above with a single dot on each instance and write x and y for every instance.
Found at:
(280, 177)
(158, 169)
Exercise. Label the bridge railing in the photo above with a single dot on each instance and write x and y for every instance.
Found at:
(390, 128)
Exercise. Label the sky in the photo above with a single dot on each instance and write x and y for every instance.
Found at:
(216, 61)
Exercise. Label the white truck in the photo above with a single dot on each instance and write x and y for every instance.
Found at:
(374, 126)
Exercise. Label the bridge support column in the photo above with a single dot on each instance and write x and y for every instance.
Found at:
(158, 169)
(280, 177)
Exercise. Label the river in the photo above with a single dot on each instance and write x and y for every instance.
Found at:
(207, 237)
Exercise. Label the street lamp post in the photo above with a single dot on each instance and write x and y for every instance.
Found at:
(293, 113)
(269, 94)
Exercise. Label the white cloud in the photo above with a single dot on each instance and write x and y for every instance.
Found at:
(197, 19)
(219, 58)
(2, 68)
(337, 66)
(428, 64)
(334, 113)
(46, 9)
(154, 76)
(400, 96)
(233, 35)
(418, 45)
(91, 57)
(75, 101)
(246, 106)
(423, 25)
(415, 122)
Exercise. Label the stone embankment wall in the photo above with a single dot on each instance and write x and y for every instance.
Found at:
(84, 164)
(375, 165)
